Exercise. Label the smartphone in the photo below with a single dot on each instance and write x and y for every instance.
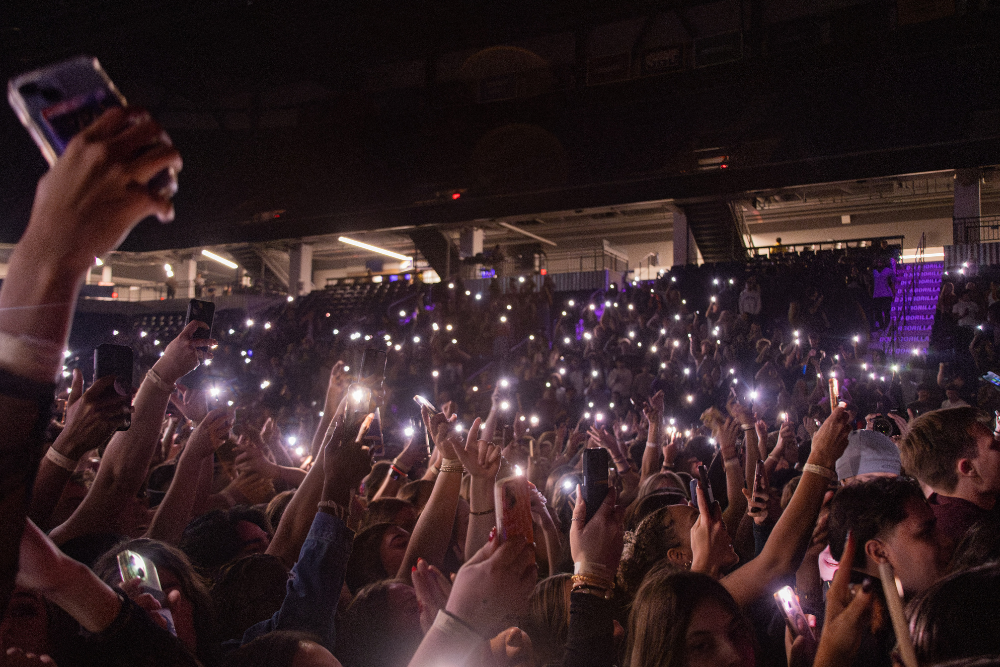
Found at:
(834, 394)
(424, 403)
(201, 311)
(371, 371)
(693, 492)
(116, 360)
(513, 508)
(705, 484)
(758, 482)
(596, 463)
(56, 102)
(133, 567)
(788, 602)
(992, 378)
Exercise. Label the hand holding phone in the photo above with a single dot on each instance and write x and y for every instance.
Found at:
(134, 568)
(57, 102)
(513, 508)
(117, 361)
(788, 602)
(596, 465)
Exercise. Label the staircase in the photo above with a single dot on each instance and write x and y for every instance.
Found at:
(913, 308)
(715, 230)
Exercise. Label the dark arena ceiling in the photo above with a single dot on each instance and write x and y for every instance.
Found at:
(346, 115)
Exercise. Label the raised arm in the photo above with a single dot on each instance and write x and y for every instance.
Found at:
(127, 457)
(84, 206)
(91, 418)
(651, 455)
(482, 460)
(432, 533)
(734, 476)
(790, 537)
(174, 512)
(335, 389)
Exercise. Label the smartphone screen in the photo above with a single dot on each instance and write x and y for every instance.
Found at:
(372, 367)
(133, 567)
(705, 484)
(116, 360)
(595, 478)
(201, 311)
(424, 403)
(795, 618)
(513, 508)
(56, 102)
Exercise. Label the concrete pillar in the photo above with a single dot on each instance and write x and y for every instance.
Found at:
(685, 249)
(967, 205)
(186, 272)
(470, 241)
(300, 269)
(106, 273)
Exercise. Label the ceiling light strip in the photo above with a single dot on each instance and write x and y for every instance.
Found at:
(381, 251)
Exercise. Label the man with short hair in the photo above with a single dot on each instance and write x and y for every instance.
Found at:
(891, 522)
(957, 455)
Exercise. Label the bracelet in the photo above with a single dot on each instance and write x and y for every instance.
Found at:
(592, 582)
(483, 513)
(452, 465)
(434, 470)
(402, 473)
(399, 468)
(822, 471)
(735, 461)
(63, 462)
(334, 508)
(746, 427)
(159, 382)
(589, 568)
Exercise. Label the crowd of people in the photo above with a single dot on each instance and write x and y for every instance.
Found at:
(271, 494)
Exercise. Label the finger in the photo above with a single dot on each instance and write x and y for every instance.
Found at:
(473, 437)
(859, 606)
(703, 508)
(187, 333)
(842, 577)
(147, 165)
(607, 508)
(111, 122)
(76, 388)
(579, 510)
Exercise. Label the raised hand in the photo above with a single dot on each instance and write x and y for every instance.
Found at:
(442, 433)
(96, 192)
(345, 463)
(192, 403)
(92, 416)
(848, 614)
(209, 434)
(711, 546)
(600, 540)
(480, 458)
(184, 353)
(432, 589)
(491, 591)
(830, 440)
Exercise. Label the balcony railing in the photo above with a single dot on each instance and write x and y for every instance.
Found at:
(982, 229)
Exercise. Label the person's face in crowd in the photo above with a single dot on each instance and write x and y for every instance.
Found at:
(311, 654)
(716, 638)
(393, 548)
(182, 611)
(923, 395)
(25, 623)
(914, 547)
(986, 464)
(952, 394)
(253, 538)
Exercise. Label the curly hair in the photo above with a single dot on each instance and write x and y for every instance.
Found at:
(648, 545)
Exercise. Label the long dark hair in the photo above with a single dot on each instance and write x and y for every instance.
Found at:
(662, 611)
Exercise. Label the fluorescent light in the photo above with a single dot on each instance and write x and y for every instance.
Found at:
(381, 251)
(926, 255)
(220, 260)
